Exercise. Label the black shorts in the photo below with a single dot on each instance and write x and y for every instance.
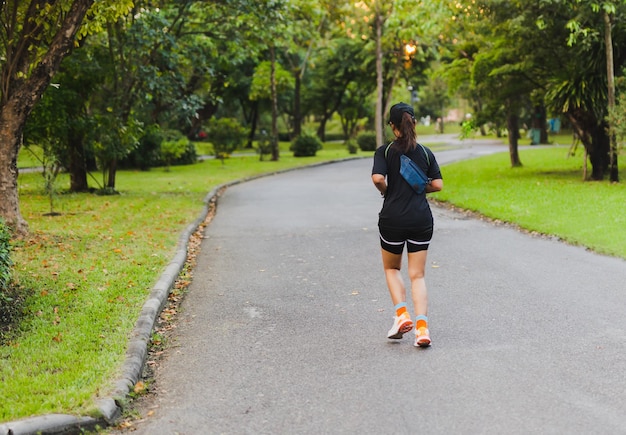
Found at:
(394, 239)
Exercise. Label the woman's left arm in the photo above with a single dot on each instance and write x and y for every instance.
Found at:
(380, 183)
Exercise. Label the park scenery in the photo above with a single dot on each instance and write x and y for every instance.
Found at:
(117, 118)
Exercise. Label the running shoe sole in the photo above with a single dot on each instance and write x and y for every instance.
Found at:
(422, 342)
(422, 337)
(404, 327)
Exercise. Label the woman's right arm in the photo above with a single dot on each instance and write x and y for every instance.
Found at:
(435, 185)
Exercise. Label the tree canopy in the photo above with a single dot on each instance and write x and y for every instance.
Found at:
(125, 74)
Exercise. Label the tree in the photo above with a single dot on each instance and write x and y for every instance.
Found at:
(585, 25)
(394, 27)
(62, 118)
(335, 68)
(35, 37)
(558, 50)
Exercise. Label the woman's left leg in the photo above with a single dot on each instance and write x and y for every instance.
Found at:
(402, 320)
(392, 264)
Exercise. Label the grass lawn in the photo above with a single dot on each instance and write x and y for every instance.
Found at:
(87, 272)
(546, 195)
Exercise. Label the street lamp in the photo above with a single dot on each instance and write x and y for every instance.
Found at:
(409, 50)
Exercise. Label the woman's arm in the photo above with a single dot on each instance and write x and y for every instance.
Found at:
(435, 185)
(380, 183)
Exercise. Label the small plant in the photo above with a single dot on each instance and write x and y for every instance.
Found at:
(352, 146)
(49, 161)
(367, 141)
(306, 145)
(264, 145)
(467, 129)
(10, 301)
(226, 135)
(171, 150)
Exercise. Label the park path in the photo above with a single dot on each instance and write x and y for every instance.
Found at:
(284, 326)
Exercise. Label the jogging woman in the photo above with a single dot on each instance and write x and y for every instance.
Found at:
(405, 219)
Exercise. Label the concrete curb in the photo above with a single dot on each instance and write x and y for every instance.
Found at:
(110, 408)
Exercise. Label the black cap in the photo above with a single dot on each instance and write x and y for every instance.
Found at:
(397, 111)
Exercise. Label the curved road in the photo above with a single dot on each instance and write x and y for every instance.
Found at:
(284, 326)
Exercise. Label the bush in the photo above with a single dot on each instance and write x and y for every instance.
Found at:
(188, 157)
(352, 146)
(12, 297)
(5, 265)
(306, 145)
(264, 145)
(226, 135)
(146, 155)
(367, 141)
(173, 149)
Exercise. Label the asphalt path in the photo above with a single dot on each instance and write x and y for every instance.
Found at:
(283, 329)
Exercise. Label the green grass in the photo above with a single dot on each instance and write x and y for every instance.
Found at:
(546, 195)
(88, 272)
(30, 157)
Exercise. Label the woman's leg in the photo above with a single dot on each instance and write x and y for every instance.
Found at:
(392, 264)
(402, 320)
(417, 265)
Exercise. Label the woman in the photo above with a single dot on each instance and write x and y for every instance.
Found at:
(405, 219)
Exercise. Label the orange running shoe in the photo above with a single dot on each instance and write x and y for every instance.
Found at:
(422, 337)
(401, 325)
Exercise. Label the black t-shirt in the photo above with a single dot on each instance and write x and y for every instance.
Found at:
(403, 207)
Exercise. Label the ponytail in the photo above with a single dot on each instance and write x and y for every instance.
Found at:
(408, 140)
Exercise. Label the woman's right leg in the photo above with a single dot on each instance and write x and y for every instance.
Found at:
(419, 293)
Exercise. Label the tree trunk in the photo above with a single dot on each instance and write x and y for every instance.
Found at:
(378, 116)
(77, 166)
(321, 130)
(112, 173)
(539, 122)
(275, 150)
(599, 152)
(11, 125)
(297, 116)
(594, 138)
(252, 120)
(610, 74)
(513, 129)
(19, 96)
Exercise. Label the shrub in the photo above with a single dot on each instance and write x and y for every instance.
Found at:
(146, 155)
(306, 145)
(367, 141)
(12, 297)
(352, 146)
(264, 145)
(189, 155)
(5, 264)
(226, 135)
(173, 149)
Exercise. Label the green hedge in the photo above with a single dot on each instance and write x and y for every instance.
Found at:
(367, 141)
(306, 145)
